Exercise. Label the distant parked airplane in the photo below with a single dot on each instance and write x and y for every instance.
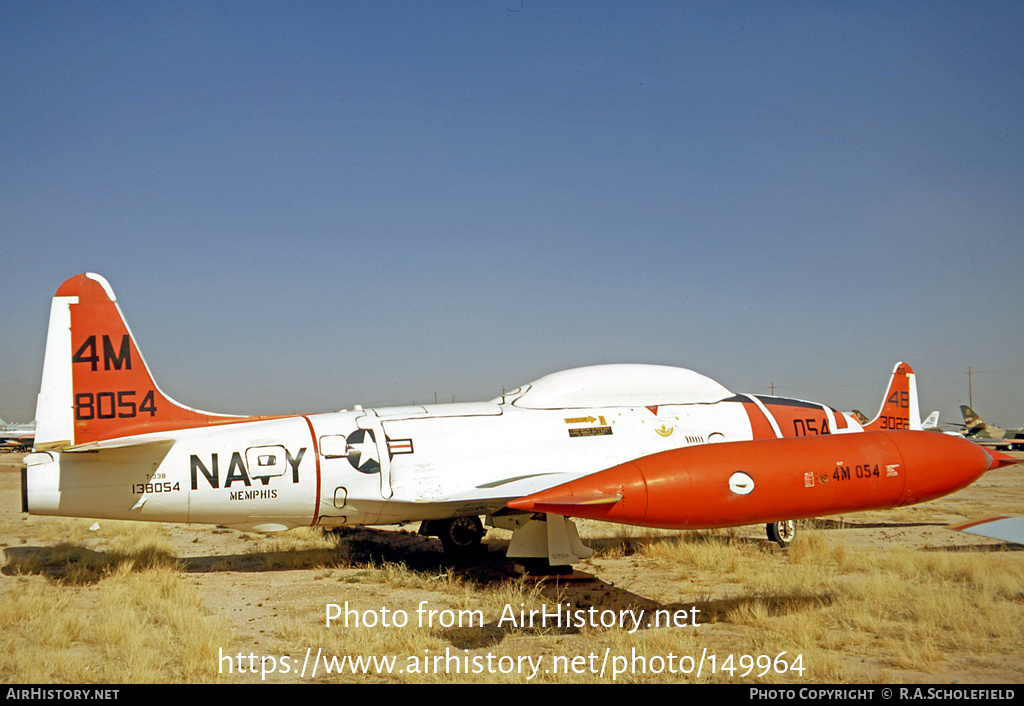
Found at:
(988, 435)
(17, 436)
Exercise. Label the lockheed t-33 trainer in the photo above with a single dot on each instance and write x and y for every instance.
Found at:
(639, 444)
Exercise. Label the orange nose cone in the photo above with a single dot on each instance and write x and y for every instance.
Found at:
(939, 464)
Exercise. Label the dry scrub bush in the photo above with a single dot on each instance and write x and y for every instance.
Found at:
(299, 548)
(119, 612)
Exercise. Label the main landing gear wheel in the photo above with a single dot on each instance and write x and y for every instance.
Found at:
(782, 532)
(461, 536)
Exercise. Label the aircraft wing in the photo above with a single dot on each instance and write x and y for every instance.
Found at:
(1005, 444)
(498, 493)
(1008, 529)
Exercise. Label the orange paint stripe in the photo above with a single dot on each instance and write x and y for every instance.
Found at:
(316, 451)
(759, 424)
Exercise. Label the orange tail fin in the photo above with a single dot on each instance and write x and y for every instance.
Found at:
(95, 384)
(900, 408)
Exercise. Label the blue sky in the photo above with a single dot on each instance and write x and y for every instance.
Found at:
(305, 206)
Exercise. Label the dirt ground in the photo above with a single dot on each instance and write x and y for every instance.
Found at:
(268, 606)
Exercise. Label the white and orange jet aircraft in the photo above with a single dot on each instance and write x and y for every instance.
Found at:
(110, 444)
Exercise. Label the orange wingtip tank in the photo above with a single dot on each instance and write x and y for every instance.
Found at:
(747, 482)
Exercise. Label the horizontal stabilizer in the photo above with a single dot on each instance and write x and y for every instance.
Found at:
(123, 443)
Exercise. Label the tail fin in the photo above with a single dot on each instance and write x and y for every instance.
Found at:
(900, 408)
(95, 384)
(973, 420)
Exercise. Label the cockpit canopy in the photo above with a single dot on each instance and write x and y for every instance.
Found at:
(618, 385)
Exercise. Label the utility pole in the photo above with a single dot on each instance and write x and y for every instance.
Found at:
(970, 389)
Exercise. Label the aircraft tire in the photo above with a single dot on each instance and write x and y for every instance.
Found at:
(461, 536)
(781, 532)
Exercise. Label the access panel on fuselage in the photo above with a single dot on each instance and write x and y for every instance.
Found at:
(355, 468)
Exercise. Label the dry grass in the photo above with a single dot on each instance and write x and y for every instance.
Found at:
(301, 548)
(907, 609)
(80, 555)
(115, 605)
(125, 614)
(458, 623)
(139, 627)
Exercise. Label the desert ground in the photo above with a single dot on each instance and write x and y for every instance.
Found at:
(876, 597)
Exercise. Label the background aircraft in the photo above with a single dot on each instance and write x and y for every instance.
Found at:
(931, 423)
(17, 437)
(977, 429)
(110, 444)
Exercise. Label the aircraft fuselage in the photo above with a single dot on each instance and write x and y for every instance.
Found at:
(385, 466)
